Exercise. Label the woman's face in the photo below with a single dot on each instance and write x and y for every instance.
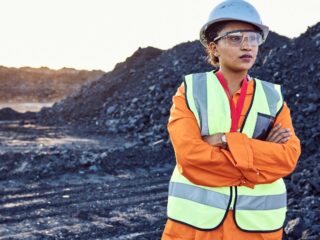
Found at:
(235, 57)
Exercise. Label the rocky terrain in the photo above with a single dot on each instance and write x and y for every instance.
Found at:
(27, 84)
(96, 165)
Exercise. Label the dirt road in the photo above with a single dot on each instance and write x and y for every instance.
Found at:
(85, 206)
(79, 202)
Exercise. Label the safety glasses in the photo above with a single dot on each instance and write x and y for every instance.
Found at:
(236, 38)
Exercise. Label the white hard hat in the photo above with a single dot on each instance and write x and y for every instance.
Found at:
(238, 10)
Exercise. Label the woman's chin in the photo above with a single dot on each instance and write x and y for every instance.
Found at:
(244, 66)
(241, 68)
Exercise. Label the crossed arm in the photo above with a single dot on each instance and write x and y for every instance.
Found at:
(246, 162)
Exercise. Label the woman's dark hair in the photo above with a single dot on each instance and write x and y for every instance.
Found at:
(211, 33)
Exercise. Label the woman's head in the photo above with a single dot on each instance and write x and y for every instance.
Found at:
(228, 42)
(230, 14)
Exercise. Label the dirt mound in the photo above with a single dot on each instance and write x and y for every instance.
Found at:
(28, 84)
(85, 106)
(9, 114)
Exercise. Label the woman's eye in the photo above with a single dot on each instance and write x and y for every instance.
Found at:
(253, 39)
(235, 38)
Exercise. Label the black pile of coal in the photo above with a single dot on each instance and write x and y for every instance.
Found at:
(134, 100)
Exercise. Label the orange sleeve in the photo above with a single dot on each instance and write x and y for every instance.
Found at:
(263, 161)
(197, 160)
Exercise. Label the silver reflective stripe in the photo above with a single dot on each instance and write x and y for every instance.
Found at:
(199, 195)
(199, 84)
(272, 96)
(269, 202)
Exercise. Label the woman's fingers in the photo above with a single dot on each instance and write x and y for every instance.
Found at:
(283, 135)
(279, 135)
(273, 131)
(284, 140)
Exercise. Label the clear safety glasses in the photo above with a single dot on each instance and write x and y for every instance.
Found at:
(236, 38)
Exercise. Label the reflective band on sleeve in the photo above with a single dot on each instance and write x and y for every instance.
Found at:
(269, 202)
(199, 85)
(196, 194)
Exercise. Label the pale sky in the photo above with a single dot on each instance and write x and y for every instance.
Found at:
(97, 34)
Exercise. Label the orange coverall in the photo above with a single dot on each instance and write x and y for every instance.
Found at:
(246, 163)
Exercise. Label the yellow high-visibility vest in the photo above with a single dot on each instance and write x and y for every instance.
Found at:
(261, 209)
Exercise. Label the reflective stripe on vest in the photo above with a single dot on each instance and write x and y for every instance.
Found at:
(196, 207)
(260, 209)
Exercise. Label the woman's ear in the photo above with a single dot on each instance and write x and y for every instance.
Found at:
(213, 49)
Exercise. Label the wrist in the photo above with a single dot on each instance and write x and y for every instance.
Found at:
(223, 139)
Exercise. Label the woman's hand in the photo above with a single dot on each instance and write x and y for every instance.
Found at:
(214, 140)
(278, 134)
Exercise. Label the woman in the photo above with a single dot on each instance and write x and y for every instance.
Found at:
(233, 139)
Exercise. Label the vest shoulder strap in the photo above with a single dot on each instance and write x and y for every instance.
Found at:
(196, 97)
(273, 94)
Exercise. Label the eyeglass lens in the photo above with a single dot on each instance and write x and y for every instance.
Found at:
(236, 39)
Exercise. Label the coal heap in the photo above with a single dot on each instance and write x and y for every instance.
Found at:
(134, 100)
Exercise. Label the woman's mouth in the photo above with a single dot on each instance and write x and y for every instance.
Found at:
(246, 57)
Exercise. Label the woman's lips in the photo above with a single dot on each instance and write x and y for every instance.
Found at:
(246, 57)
